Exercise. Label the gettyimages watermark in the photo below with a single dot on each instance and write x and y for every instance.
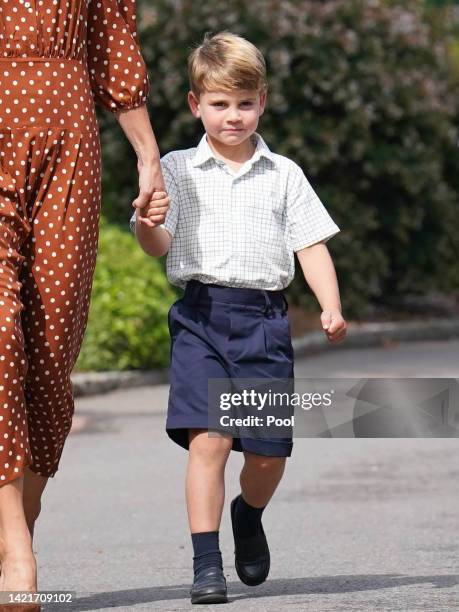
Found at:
(334, 408)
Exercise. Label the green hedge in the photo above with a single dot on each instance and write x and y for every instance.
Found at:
(127, 327)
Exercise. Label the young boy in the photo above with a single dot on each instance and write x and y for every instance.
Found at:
(237, 214)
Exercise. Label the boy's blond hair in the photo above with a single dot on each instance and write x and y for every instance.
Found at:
(226, 62)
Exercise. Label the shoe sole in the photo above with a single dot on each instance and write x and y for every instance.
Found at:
(242, 577)
(210, 598)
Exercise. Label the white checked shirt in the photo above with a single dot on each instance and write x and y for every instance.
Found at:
(239, 229)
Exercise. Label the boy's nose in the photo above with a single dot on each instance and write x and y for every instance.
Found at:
(234, 116)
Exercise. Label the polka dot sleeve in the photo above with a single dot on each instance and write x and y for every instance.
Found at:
(118, 73)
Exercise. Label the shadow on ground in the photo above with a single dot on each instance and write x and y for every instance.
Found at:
(273, 588)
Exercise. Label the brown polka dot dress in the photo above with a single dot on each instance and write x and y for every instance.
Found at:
(57, 58)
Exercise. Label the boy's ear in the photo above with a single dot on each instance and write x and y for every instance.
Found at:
(193, 103)
(263, 96)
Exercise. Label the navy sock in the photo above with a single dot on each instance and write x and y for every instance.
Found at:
(206, 550)
(247, 518)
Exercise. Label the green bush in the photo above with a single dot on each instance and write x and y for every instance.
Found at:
(364, 96)
(127, 327)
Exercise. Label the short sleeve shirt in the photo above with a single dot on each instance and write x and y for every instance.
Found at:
(239, 229)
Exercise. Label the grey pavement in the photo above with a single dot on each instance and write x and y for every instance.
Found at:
(356, 524)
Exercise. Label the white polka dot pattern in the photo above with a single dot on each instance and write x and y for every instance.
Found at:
(100, 33)
(117, 68)
(56, 59)
(49, 213)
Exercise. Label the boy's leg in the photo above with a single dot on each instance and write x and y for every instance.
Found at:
(205, 479)
(205, 494)
(259, 478)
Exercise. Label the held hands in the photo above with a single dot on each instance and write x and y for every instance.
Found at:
(334, 325)
(152, 202)
(154, 213)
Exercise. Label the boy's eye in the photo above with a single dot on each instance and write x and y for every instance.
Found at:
(244, 103)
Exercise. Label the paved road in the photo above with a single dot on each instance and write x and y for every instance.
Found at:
(357, 524)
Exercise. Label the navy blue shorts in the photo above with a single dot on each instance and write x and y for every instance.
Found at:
(225, 332)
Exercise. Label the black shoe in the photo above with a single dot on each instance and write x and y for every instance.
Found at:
(252, 558)
(209, 587)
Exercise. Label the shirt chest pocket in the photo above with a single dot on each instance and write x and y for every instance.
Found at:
(266, 218)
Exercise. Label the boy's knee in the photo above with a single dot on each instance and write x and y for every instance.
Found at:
(265, 464)
(209, 449)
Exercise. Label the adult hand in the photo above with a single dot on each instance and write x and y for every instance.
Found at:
(136, 125)
(150, 180)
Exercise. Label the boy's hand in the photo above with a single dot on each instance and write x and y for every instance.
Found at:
(334, 325)
(154, 213)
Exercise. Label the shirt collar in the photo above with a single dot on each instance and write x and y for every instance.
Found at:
(204, 152)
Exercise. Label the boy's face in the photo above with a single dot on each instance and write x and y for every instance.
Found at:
(229, 117)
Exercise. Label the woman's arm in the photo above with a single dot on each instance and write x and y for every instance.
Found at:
(136, 125)
(120, 84)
